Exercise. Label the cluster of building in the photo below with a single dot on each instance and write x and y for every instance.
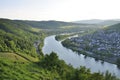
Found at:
(107, 42)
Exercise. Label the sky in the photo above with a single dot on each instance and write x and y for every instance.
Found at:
(61, 10)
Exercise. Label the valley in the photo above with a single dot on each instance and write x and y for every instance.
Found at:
(23, 54)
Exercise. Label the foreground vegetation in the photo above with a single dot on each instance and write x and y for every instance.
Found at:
(15, 67)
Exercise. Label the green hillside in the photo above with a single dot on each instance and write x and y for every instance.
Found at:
(17, 37)
(115, 27)
(15, 67)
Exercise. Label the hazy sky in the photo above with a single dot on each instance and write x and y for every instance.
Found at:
(63, 10)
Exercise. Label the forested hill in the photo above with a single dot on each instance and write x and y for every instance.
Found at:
(17, 37)
(115, 27)
(13, 24)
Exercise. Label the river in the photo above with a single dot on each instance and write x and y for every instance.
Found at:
(70, 57)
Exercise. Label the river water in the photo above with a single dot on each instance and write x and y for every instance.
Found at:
(70, 57)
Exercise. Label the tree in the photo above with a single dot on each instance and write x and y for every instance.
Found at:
(118, 62)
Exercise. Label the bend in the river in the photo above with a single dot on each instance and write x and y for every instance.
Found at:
(70, 57)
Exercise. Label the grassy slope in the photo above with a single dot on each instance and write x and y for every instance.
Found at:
(12, 57)
(18, 60)
(13, 66)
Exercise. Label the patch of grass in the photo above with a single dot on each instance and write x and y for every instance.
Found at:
(36, 29)
(12, 57)
(18, 57)
(15, 67)
(28, 57)
(67, 27)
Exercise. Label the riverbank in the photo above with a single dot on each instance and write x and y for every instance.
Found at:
(75, 47)
(61, 37)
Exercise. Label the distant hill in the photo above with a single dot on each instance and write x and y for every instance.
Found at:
(110, 22)
(99, 22)
(25, 24)
(47, 24)
(92, 21)
(61, 26)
